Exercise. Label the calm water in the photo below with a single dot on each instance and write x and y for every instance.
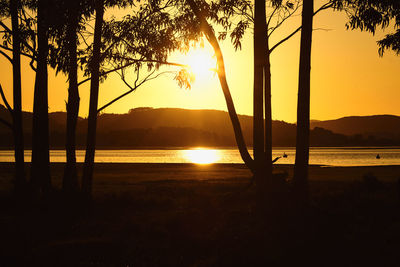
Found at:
(320, 156)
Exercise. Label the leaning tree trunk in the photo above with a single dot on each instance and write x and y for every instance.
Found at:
(258, 116)
(94, 95)
(70, 180)
(208, 31)
(40, 168)
(20, 179)
(300, 179)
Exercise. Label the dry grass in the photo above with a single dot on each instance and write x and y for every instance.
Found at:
(190, 215)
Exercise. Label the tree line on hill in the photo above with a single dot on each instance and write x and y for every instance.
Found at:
(168, 128)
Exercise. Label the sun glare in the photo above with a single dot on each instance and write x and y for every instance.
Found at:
(202, 156)
(201, 63)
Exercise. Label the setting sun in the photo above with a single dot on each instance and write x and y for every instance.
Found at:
(201, 63)
(202, 156)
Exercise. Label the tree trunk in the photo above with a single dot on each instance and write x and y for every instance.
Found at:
(20, 179)
(94, 95)
(212, 39)
(258, 115)
(300, 179)
(70, 180)
(40, 168)
(268, 114)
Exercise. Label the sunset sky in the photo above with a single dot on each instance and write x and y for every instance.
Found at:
(348, 78)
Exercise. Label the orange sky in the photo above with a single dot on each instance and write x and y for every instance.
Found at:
(348, 78)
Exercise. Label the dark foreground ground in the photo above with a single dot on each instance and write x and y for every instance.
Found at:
(190, 215)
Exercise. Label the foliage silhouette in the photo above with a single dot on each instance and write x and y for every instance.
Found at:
(368, 15)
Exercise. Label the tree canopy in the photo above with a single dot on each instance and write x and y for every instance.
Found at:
(368, 15)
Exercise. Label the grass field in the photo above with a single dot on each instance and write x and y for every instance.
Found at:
(205, 215)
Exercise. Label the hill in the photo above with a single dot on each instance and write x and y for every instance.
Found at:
(379, 126)
(173, 127)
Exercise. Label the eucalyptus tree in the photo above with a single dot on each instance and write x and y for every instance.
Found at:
(73, 12)
(94, 67)
(143, 38)
(33, 44)
(20, 179)
(364, 15)
(222, 13)
(40, 29)
(64, 57)
(68, 52)
(259, 43)
(201, 14)
(36, 44)
(265, 23)
(40, 167)
(300, 179)
(369, 15)
(204, 11)
(13, 38)
(54, 20)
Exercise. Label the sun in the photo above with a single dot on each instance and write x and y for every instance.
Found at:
(202, 156)
(201, 63)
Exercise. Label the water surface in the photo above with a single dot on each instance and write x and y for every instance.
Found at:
(319, 156)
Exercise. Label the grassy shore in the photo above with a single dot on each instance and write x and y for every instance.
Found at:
(206, 215)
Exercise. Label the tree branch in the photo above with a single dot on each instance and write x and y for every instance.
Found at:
(83, 38)
(22, 53)
(5, 100)
(323, 7)
(285, 39)
(270, 16)
(22, 41)
(130, 64)
(279, 23)
(31, 65)
(131, 89)
(6, 56)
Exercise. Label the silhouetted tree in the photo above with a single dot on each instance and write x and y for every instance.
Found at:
(24, 42)
(143, 38)
(260, 35)
(94, 66)
(70, 180)
(368, 15)
(244, 10)
(64, 23)
(40, 168)
(29, 39)
(250, 14)
(14, 38)
(212, 39)
(300, 179)
(64, 57)
(20, 180)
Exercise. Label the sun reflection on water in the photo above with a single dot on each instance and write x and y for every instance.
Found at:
(202, 155)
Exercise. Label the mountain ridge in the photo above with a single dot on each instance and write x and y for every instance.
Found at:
(150, 127)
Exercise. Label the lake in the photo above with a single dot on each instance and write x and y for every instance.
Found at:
(318, 156)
